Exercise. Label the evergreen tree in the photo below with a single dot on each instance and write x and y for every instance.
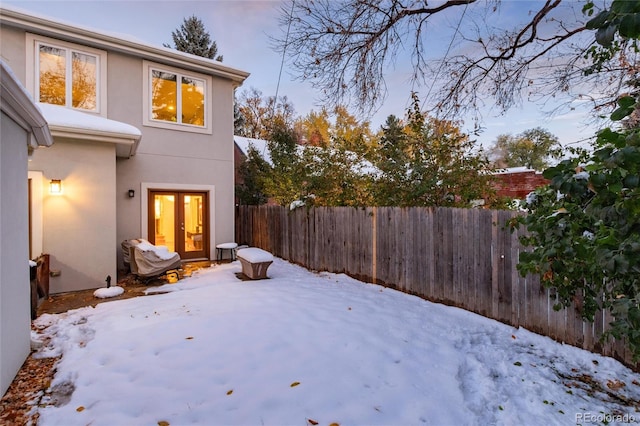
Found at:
(286, 181)
(392, 161)
(193, 38)
(238, 118)
(254, 172)
(429, 162)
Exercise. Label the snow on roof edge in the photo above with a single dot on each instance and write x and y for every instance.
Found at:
(510, 170)
(260, 144)
(66, 118)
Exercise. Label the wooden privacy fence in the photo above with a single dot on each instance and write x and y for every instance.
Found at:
(460, 257)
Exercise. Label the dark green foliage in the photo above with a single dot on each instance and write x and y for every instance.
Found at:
(429, 162)
(584, 228)
(423, 162)
(254, 172)
(193, 38)
(393, 162)
(335, 177)
(238, 118)
(285, 182)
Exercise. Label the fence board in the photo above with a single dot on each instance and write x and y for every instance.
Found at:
(415, 253)
(518, 291)
(457, 259)
(504, 273)
(430, 260)
(474, 248)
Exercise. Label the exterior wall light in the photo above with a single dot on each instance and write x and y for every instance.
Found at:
(55, 187)
(131, 193)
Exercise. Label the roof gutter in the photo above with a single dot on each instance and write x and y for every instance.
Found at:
(126, 144)
(17, 104)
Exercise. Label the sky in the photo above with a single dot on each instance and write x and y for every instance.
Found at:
(304, 348)
(242, 29)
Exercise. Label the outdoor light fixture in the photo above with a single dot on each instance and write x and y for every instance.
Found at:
(132, 193)
(55, 187)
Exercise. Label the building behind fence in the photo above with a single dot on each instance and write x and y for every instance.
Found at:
(461, 257)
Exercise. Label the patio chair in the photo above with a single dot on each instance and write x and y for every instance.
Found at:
(147, 260)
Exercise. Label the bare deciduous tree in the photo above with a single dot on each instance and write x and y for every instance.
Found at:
(347, 47)
(258, 114)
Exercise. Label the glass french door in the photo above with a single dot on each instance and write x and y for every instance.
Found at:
(178, 220)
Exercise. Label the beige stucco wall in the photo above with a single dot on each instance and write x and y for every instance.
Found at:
(176, 158)
(13, 47)
(78, 225)
(14, 252)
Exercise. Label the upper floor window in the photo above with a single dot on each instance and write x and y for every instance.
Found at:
(68, 75)
(176, 98)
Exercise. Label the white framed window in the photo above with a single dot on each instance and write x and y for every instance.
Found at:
(66, 74)
(176, 99)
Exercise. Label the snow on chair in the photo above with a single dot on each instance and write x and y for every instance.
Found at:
(148, 261)
(255, 262)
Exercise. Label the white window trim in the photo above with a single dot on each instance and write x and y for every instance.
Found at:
(144, 206)
(33, 69)
(147, 68)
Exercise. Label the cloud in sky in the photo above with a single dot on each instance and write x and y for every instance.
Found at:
(242, 28)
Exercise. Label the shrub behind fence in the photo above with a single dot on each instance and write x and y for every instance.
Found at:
(461, 257)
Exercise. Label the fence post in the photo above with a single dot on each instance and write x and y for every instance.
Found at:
(374, 244)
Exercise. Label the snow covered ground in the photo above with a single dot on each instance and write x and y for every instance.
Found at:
(303, 349)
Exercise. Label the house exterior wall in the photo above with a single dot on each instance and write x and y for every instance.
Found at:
(78, 225)
(15, 320)
(172, 158)
(13, 47)
(517, 185)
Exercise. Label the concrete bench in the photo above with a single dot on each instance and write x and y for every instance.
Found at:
(255, 262)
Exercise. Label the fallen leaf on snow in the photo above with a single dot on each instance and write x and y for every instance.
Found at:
(312, 422)
(294, 384)
(615, 384)
(80, 408)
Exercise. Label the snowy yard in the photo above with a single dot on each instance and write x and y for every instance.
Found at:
(301, 348)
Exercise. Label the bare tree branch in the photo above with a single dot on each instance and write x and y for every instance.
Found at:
(346, 48)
